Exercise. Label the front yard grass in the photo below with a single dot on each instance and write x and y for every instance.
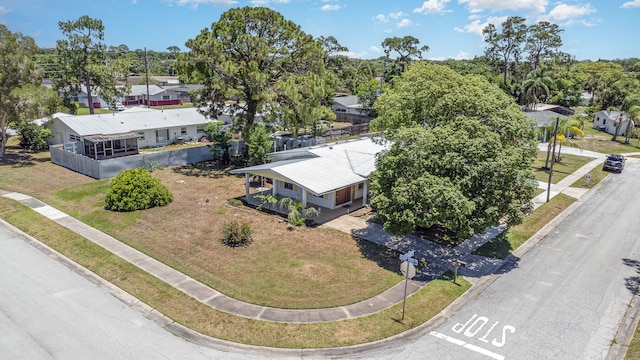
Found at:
(567, 165)
(183, 309)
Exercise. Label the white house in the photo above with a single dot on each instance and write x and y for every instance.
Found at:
(330, 175)
(607, 120)
(137, 95)
(123, 133)
(154, 95)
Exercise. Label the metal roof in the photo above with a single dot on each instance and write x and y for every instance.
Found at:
(326, 168)
(101, 138)
(124, 121)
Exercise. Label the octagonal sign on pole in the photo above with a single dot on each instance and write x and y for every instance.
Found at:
(409, 271)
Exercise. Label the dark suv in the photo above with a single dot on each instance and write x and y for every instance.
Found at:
(614, 162)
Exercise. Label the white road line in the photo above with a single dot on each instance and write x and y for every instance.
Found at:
(467, 345)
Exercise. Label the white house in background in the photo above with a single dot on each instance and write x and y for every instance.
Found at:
(123, 133)
(154, 95)
(606, 121)
(137, 95)
(330, 175)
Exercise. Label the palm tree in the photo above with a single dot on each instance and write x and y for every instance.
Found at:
(537, 86)
(567, 128)
(296, 213)
(630, 106)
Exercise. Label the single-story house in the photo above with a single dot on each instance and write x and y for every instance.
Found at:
(154, 95)
(330, 175)
(137, 95)
(123, 133)
(348, 104)
(183, 92)
(546, 114)
(606, 121)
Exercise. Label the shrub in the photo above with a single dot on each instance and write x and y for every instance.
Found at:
(136, 189)
(236, 234)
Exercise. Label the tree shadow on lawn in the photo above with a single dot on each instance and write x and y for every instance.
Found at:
(385, 257)
(19, 159)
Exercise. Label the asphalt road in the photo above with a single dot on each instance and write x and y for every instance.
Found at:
(48, 311)
(564, 299)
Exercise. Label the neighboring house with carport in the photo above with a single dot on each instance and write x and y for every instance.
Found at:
(349, 109)
(329, 176)
(546, 114)
(104, 136)
(183, 92)
(606, 121)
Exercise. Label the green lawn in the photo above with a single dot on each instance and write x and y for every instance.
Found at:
(420, 307)
(567, 165)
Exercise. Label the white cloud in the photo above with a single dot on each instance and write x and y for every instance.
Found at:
(331, 7)
(381, 18)
(460, 56)
(432, 7)
(476, 26)
(375, 49)
(631, 4)
(530, 6)
(404, 23)
(259, 2)
(569, 14)
(134, 2)
(3, 10)
(397, 15)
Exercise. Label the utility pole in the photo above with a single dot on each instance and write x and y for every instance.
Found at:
(146, 70)
(553, 157)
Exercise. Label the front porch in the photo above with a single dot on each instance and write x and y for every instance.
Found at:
(326, 214)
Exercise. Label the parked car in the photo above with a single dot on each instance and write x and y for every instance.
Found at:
(614, 162)
(117, 107)
(323, 124)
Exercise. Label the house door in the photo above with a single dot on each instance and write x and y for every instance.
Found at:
(343, 196)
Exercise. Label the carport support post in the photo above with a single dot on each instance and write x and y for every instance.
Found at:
(247, 185)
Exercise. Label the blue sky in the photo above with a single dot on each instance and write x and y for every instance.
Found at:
(597, 29)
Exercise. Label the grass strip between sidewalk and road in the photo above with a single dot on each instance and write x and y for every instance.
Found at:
(504, 244)
(181, 308)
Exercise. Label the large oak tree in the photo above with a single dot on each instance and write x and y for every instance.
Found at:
(460, 153)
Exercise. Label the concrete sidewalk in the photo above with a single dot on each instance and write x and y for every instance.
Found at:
(206, 294)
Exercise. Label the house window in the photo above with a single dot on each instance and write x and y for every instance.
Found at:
(162, 135)
(131, 98)
(360, 186)
(73, 137)
(140, 135)
(183, 131)
(166, 97)
(200, 129)
(288, 186)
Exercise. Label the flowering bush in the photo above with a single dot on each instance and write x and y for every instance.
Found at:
(236, 234)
